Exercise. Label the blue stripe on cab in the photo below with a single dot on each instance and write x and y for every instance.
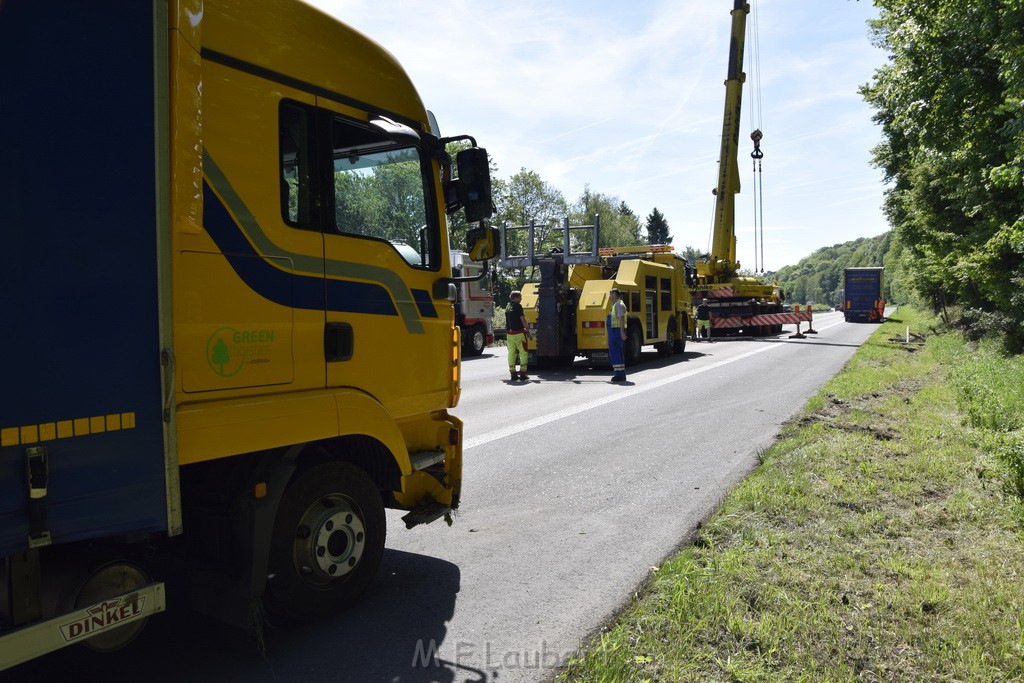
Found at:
(284, 288)
(424, 303)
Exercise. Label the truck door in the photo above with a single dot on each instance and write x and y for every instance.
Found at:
(651, 305)
(249, 287)
(383, 252)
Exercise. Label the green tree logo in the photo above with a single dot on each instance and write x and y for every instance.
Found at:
(218, 353)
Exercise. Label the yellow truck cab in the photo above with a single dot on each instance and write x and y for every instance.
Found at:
(250, 245)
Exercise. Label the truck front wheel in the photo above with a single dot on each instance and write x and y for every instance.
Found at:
(668, 347)
(679, 345)
(476, 340)
(327, 544)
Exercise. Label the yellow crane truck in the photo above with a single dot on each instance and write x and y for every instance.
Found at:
(567, 309)
(739, 304)
(229, 338)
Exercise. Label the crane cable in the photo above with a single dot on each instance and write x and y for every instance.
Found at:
(753, 40)
(757, 155)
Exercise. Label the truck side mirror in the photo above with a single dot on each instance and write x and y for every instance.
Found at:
(482, 243)
(474, 184)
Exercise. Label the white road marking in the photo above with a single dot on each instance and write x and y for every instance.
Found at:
(504, 432)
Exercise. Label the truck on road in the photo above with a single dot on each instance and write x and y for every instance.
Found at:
(229, 339)
(474, 304)
(567, 309)
(863, 298)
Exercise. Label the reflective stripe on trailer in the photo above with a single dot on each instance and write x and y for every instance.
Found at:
(761, 320)
(722, 293)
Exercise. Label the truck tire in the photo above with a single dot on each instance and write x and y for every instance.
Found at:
(327, 544)
(475, 341)
(110, 579)
(667, 347)
(679, 345)
(632, 344)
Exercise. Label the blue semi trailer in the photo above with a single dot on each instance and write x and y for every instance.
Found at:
(863, 298)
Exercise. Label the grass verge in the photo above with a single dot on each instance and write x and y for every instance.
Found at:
(875, 542)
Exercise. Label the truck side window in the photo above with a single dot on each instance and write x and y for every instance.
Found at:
(297, 177)
(666, 294)
(381, 191)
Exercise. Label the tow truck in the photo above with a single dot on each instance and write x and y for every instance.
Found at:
(567, 310)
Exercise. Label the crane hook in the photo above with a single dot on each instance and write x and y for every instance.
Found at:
(756, 137)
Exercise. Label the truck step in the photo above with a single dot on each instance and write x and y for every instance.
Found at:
(421, 460)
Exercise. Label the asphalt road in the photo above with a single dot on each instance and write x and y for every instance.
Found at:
(574, 489)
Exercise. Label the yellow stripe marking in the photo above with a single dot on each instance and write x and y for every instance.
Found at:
(9, 436)
(65, 429)
(29, 434)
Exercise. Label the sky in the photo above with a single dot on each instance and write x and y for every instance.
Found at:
(628, 97)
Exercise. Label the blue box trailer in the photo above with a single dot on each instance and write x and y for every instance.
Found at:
(863, 295)
(85, 451)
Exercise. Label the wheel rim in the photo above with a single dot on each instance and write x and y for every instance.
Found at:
(478, 341)
(329, 540)
(670, 337)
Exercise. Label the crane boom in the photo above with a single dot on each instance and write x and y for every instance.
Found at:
(722, 261)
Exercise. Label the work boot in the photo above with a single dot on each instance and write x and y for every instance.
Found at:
(618, 378)
(523, 376)
(515, 376)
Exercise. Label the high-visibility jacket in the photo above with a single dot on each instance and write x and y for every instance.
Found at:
(618, 313)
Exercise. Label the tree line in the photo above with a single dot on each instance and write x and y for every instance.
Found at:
(950, 102)
(527, 197)
(819, 277)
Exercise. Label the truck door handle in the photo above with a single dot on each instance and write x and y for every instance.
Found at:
(339, 342)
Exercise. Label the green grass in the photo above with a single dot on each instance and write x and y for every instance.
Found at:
(876, 542)
(990, 390)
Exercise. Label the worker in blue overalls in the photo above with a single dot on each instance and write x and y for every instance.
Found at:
(616, 325)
